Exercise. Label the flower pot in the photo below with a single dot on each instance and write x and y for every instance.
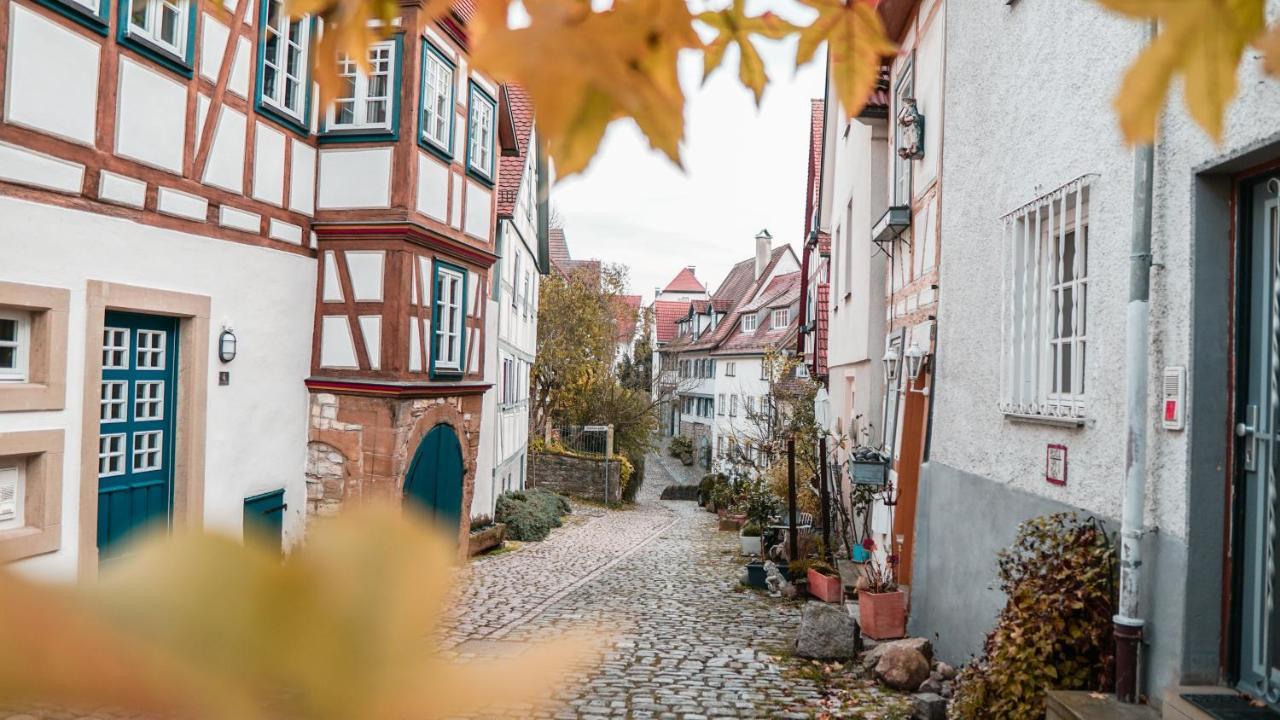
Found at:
(486, 539)
(883, 615)
(750, 544)
(731, 522)
(756, 576)
(825, 587)
(860, 554)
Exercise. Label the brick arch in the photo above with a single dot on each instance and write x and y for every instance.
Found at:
(442, 413)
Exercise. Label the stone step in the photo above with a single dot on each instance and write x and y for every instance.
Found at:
(1175, 708)
(1084, 705)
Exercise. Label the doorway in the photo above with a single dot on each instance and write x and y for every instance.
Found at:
(433, 483)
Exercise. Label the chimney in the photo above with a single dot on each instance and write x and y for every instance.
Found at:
(764, 248)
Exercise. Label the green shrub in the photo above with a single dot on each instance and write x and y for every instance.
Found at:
(529, 515)
(680, 446)
(707, 484)
(1055, 631)
(751, 529)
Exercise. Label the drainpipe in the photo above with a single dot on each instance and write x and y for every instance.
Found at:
(1128, 620)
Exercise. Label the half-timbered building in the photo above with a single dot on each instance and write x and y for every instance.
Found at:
(220, 303)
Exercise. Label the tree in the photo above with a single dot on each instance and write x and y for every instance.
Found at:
(636, 370)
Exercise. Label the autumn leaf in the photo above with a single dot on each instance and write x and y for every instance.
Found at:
(1269, 44)
(1200, 39)
(734, 26)
(856, 43)
(583, 69)
(202, 626)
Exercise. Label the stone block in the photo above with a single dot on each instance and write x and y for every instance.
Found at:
(826, 633)
(928, 706)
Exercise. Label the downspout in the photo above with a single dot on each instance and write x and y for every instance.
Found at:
(1128, 620)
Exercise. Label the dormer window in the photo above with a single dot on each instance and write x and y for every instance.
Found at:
(749, 323)
(781, 317)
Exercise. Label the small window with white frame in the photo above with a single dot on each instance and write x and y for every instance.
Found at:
(113, 405)
(11, 494)
(161, 24)
(781, 318)
(364, 97)
(284, 61)
(447, 319)
(146, 451)
(480, 133)
(115, 348)
(1045, 296)
(15, 345)
(749, 323)
(437, 99)
(151, 349)
(111, 454)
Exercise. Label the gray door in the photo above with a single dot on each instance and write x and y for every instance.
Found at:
(1258, 646)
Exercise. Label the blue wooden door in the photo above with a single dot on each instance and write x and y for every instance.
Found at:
(264, 519)
(136, 422)
(434, 480)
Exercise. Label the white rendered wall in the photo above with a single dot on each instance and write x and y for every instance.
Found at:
(256, 428)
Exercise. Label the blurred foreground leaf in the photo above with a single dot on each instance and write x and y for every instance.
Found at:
(856, 43)
(734, 26)
(202, 626)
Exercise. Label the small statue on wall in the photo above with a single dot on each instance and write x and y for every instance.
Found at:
(910, 131)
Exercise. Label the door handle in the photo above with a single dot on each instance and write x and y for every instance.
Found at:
(1248, 430)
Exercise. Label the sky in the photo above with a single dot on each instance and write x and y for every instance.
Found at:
(745, 170)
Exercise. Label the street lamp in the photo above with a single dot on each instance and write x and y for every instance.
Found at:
(890, 365)
(915, 361)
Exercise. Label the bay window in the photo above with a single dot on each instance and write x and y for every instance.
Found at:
(283, 65)
(437, 100)
(364, 100)
(480, 133)
(161, 24)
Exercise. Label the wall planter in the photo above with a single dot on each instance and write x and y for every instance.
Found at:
(826, 588)
(750, 544)
(731, 522)
(883, 615)
(486, 539)
(756, 576)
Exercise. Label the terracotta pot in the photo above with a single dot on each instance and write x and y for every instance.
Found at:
(825, 587)
(729, 522)
(883, 615)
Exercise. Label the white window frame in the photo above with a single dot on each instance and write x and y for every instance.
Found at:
(153, 402)
(111, 446)
(153, 16)
(278, 99)
(13, 471)
(154, 354)
(438, 83)
(152, 453)
(117, 399)
(381, 62)
(482, 116)
(21, 344)
(749, 323)
(111, 348)
(1034, 338)
(781, 318)
(733, 405)
(447, 307)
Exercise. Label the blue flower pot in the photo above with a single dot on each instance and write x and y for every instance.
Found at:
(860, 554)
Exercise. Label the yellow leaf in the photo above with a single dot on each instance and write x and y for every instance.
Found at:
(592, 68)
(734, 26)
(1199, 39)
(202, 626)
(1269, 44)
(856, 43)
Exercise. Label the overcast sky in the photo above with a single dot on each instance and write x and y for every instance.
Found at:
(744, 170)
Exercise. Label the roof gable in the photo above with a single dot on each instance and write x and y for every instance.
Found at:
(685, 281)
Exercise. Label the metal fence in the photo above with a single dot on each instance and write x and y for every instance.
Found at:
(592, 439)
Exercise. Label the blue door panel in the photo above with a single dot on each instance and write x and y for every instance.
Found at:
(434, 480)
(135, 481)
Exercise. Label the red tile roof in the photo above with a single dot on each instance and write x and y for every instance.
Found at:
(824, 242)
(627, 315)
(665, 315)
(511, 167)
(685, 281)
(820, 331)
(558, 249)
(816, 119)
(782, 290)
(738, 287)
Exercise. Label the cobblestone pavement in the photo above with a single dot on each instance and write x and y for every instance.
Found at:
(691, 644)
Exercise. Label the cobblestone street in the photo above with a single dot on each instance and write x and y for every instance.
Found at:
(690, 643)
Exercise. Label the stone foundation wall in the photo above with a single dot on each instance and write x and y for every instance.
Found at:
(359, 447)
(577, 477)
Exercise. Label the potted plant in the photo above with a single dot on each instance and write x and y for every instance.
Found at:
(756, 575)
(882, 604)
(750, 538)
(824, 582)
(861, 552)
(485, 535)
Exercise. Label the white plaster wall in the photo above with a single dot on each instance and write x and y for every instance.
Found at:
(256, 428)
(59, 98)
(479, 211)
(1065, 60)
(486, 486)
(433, 187)
(268, 164)
(746, 381)
(151, 116)
(225, 168)
(354, 178)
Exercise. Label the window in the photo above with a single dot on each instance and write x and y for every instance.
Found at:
(446, 317)
(11, 500)
(802, 371)
(751, 404)
(364, 98)
(749, 323)
(731, 369)
(110, 455)
(1046, 289)
(480, 134)
(151, 349)
(720, 403)
(525, 295)
(781, 318)
(284, 62)
(515, 282)
(901, 166)
(733, 405)
(146, 450)
(115, 349)
(437, 99)
(14, 345)
(112, 408)
(161, 24)
(148, 400)
(720, 446)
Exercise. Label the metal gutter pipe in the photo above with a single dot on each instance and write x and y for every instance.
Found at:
(1128, 619)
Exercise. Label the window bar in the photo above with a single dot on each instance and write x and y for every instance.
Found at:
(1006, 305)
(1079, 280)
(1052, 313)
(1037, 334)
(1024, 260)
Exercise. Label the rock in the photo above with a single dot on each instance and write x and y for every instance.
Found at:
(932, 685)
(920, 645)
(902, 667)
(928, 706)
(789, 591)
(826, 633)
(947, 671)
